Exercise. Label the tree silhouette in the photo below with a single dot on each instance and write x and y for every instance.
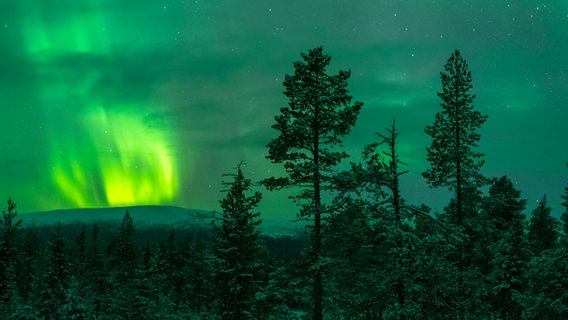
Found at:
(57, 276)
(237, 249)
(123, 248)
(564, 217)
(542, 228)
(510, 266)
(9, 229)
(503, 203)
(318, 115)
(453, 161)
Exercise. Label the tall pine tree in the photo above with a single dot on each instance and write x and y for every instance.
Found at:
(319, 114)
(454, 163)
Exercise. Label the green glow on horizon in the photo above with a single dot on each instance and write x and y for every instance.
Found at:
(123, 162)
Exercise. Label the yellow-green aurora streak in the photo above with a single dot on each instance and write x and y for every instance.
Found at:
(123, 162)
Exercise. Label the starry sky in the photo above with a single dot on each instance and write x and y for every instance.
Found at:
(111, 103)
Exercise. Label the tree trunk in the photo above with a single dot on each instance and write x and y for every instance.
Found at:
(318, 287)
(459, 213)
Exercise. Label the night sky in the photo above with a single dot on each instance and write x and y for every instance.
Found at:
(111, 103)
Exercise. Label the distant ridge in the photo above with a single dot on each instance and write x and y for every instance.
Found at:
(167, 216)
(163, 215)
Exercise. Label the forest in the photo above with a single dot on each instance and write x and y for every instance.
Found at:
(366, 252)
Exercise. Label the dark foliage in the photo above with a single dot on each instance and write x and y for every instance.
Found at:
(543, 233)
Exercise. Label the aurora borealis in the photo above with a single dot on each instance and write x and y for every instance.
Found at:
(108, 103)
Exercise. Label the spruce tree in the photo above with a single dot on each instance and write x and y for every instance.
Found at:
(564, 217)
(171, 263)
(126, 296)
(95, 272)
(510, 265)
(28, 263)
(9, 229)
(10, 299)
(543, 232)
(123, 249)
(547, 296)
(379, 254)
(504, 203)
(199, 275)
(80, 254)
(564, 234)
(58, 274)
(454, 163)
(499, 210)
(237, 249)
(318, 115)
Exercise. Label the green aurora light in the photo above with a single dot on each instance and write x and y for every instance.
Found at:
(101, 154)
(109, 103)
(122, 162)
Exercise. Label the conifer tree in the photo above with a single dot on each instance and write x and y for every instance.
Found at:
(77, 304)
(10, 298)
(95, 273)
(10, 228)
(124, 252)
(510, 266)
(170, 264)
(543, 232)
(318, 115)
(494, 221)
(547, 296)
(400, 240)
(454, 163)
(386, 173)
(237, 249)
(563, 241)
(125, 293)
(504, 203)
(200, 275)
(95, 256)
(28, 262)
(58, 274)
(80, 252)
(564, 217)
(564, 234)
(377, 249)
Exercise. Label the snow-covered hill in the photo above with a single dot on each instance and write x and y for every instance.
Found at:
(167, 216)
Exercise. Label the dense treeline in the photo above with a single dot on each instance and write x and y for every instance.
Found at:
(96, 270)
(371, 254)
